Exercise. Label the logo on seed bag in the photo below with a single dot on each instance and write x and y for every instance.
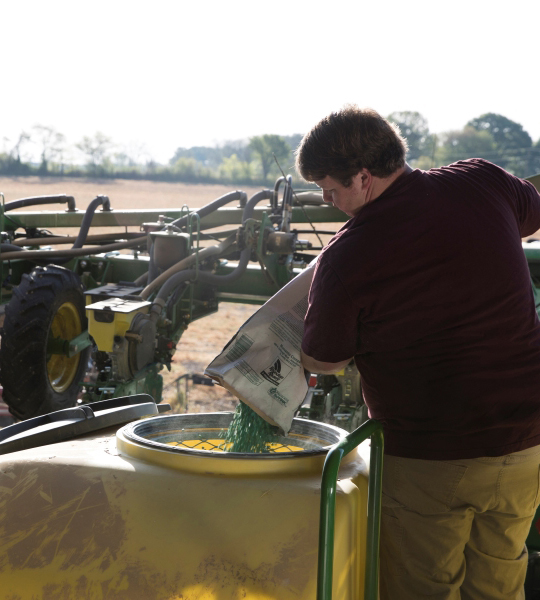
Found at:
(277, 396)
(276, 372)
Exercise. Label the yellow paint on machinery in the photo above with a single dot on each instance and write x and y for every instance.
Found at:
(102, 517)
(112, 317)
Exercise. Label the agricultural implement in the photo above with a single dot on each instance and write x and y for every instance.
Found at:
(98, 321)
(139, 288)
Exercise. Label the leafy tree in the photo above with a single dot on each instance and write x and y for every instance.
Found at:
(13, 163)
(467, 143)
(265, 147)
(52, 144)
(96, 149)
(235, 170)
(207, 156)
(212, 157)
(414, 128)
(22, 140)
(535, 160)
(239, 147)
(131, 156)
(513, 143)
(189, 169)
(293, 140)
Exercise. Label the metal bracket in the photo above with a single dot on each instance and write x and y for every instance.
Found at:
(69, 348)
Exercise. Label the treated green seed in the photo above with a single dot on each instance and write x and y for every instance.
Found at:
(248, 432)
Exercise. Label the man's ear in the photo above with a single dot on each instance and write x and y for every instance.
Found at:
(364, 178)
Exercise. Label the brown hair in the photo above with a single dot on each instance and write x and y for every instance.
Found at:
(347, 141)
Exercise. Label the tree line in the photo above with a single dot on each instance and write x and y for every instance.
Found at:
(261, 158)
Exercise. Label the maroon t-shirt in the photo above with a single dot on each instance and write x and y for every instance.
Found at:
(429, 289)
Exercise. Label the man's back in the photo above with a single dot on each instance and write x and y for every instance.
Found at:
(431, 280)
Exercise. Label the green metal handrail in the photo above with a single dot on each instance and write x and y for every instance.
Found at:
(328, 506)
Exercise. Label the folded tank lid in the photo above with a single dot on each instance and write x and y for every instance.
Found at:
(64, 424)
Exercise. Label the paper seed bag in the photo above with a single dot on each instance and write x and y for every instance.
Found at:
(261, 363)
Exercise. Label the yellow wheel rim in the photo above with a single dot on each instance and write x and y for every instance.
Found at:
(60, 368)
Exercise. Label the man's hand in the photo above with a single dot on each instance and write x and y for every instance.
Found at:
(324, 368)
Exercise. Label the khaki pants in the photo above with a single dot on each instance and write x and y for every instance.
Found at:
(456, 529)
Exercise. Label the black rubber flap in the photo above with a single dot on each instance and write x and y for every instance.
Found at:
(70, 422)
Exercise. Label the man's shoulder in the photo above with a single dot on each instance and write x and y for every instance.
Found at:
(471, 174)
(347, 243)
(471, 167)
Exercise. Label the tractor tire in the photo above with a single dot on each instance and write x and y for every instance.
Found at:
(49, 301)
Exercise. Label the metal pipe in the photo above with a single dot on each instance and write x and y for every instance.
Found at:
(286, 209)
(277, 185)
(153, 271)
(328, 505)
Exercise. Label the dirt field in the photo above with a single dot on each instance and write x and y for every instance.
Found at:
(122, 193)
(204, 338)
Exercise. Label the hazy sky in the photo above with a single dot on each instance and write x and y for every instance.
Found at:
(163, 74)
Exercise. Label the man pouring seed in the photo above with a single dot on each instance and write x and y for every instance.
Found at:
(428, 289)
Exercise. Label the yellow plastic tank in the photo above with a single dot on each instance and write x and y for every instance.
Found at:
(150, 514)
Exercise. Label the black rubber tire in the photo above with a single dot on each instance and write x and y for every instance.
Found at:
(25, 367)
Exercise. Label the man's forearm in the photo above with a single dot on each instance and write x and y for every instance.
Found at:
(324, 368)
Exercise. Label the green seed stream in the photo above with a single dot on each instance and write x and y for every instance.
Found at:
(248, 432)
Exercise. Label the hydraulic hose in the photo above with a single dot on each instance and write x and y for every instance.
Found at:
(85, 225)
(153, 272)
(70, 239)
(166, 276)
(35, 200)
(76, 249)
(9, 248)
(212, 206)
(88, 216)
(138, 241)
(253, 201)
(203, 276)
(72, 252)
